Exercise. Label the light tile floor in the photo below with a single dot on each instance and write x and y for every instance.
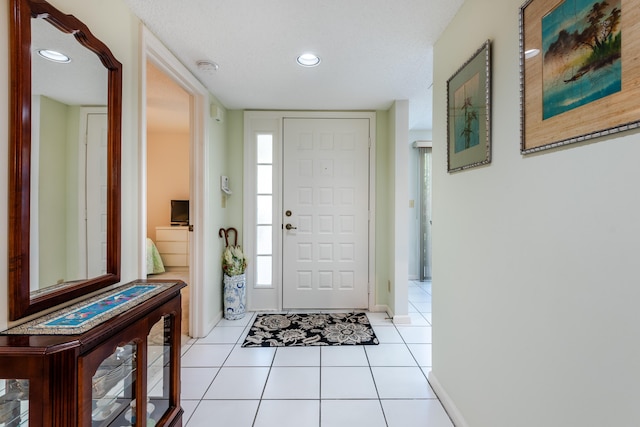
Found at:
(346, 386)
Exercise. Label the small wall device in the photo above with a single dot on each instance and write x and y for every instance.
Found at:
(224, 184)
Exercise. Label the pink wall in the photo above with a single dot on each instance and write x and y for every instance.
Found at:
(167, 176)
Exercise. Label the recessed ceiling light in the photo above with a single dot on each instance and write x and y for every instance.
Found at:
(308, 60)
(53, 55)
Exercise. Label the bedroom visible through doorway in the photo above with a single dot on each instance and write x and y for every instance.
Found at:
(168, 181)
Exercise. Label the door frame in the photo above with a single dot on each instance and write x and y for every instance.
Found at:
(154, 51)
(272, 122)
(84, 155)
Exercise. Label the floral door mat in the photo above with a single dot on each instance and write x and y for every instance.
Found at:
(309, 329)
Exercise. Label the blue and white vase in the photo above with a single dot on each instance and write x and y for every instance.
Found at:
(235, 296)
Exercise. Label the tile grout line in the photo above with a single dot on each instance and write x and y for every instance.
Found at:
(375, 384)
(320, 387)
(264, 388)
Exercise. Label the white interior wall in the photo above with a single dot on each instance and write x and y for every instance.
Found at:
(51, 191)
(535, 294)
(399, 158)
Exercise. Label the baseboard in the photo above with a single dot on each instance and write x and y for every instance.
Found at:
(402, 319)
(449, 406)
(208, 328)
(397, 319)
(381, 308)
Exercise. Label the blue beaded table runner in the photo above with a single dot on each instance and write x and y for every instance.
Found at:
(84, 315)
(89, 312)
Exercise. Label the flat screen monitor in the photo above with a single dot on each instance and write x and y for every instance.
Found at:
(179, 212)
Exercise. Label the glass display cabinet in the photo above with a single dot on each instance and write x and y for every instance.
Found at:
(14, 402)
(111, 360)
(113, 387)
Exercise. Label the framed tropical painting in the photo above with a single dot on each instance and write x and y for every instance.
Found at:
(469, 112)
(579, 70)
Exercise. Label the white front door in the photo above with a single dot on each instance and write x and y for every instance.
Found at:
(325, 213)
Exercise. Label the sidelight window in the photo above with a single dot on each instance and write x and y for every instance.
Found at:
(264, 210)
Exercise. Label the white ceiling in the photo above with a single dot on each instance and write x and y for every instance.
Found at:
(373, 51)
(83, 81)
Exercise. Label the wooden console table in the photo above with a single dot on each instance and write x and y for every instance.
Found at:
(110, 360)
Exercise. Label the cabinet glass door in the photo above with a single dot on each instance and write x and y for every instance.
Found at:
(114, 389)
(14, 402)
(159, 369)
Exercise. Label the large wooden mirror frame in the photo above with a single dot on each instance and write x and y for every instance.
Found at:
(21, 301)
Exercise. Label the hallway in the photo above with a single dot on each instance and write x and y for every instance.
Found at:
(383, 385)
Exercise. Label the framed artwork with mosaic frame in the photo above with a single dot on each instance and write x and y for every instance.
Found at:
(579, 70)
(469, 112)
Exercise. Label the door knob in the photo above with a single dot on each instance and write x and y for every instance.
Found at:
(290, 227)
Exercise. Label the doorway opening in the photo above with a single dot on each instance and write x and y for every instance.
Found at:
(154, 51)
(168, 177)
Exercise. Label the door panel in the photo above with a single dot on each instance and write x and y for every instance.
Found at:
(96, 199)
(325, 206)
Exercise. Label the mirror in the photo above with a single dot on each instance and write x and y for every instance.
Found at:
(64, 168)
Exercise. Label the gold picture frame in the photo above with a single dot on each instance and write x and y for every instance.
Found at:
(579, 73)
(469, 112)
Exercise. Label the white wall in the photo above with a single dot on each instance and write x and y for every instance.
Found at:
(52, 192)
(398, 158)
(535, 288)
(217, 213)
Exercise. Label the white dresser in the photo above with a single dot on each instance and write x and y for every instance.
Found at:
(173, 244)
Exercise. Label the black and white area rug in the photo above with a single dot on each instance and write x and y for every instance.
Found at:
(309, 329)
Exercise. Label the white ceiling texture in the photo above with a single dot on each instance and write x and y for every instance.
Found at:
(372, 51)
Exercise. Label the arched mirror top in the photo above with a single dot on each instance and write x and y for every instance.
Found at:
(34, 236)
